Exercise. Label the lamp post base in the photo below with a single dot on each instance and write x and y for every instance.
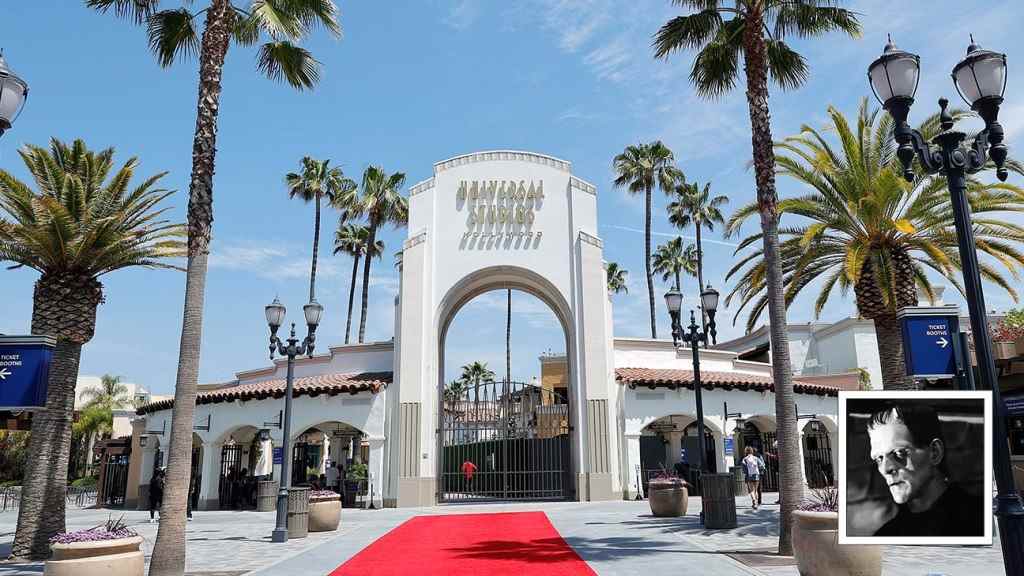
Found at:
(279, 535)
(1009, 512)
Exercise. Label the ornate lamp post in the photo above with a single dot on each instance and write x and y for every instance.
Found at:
(13, 93)
(980, 79)
(694, 337)
(275, 312)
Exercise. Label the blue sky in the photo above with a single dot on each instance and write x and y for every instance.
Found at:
(412, 83)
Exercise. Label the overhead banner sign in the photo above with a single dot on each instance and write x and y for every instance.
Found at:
(1014, 404)
(930, 340)
(24, 371)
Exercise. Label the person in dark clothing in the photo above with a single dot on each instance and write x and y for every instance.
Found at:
(193, 482)
(156, 493)
(910, 454)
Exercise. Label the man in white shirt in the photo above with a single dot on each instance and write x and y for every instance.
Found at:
(752, 471)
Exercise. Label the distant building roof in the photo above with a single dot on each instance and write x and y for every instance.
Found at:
(330, 384)
(672, 378)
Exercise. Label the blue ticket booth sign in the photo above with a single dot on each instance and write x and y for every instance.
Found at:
(930, 341)
(24, 371)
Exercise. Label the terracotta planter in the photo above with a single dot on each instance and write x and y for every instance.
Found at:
(120, 557)
(1019, 345)
(324, 515)
(1005, 350)
(667, 501)
(818, 552)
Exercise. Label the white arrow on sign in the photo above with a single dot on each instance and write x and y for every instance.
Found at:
(4, 374)
(942, 342)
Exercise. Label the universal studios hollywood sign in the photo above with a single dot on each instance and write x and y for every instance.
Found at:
(497, 208)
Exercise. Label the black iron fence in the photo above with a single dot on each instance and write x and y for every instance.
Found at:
(10, 497)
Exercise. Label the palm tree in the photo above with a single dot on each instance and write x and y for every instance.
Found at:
(316, 182)
(174, 34)
(111, 395)
(616, 278)
(672, 259)
(352, 239)
(695, 205)
(76, 226)
(639, 169)
(94, 422)
(475, 375)
(863, 227)
(719, 44)
(382, 203)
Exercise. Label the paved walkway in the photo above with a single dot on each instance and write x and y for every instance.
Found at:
(615, 538)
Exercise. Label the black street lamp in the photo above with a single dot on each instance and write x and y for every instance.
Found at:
(980, 79)
(694, 337)
(275, 312)
(13, 93)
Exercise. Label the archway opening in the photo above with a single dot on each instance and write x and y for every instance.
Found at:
(817, 455)
(759, 433)
(505, 399)
(239, 455)
(334, 455)
(669, 446)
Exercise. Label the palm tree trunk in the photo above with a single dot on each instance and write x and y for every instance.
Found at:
(316, 250)
(351, 295)
(508, 337)
(88, 453)
(890, 355)
(791, 483)
(647, 259)
(366, 279)
(169, 549)
(64, 307)
(700, 276)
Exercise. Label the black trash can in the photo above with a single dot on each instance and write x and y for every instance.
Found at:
(298, 512)
(718, 497)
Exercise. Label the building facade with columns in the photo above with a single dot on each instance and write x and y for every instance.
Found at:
(484, 221)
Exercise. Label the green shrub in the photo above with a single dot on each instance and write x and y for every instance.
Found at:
(85, 482)
(356, 472)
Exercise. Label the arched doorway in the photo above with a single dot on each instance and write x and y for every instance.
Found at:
(236, 486)
(817, 455)
(691, 445)
(759, 434)
(504, 434)
(335, 456)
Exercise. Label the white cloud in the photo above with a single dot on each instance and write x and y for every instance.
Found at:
(610, 61)
(462, 14)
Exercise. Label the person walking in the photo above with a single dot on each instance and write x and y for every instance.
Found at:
(192, 488)
(762, 474)
(468, 469)
(752, 472)
(156, 494)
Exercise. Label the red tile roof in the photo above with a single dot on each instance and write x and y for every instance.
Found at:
(655, 377)
(331, 384)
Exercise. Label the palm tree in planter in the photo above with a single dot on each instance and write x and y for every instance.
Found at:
(863, 227)
(616, 278)
(316, 182)
(757, 31)
(381, 203)
(174, 34)
(673, 259)
(82, 220)
(353, 239)
(639, 169)
(695, 205)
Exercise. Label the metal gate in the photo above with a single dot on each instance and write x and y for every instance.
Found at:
(230, 490)
(504, 441)
(115, 479)
(817, 456)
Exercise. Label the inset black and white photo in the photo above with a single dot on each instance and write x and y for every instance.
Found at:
(915, 467)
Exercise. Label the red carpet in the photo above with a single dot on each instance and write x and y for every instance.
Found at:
(514, 543)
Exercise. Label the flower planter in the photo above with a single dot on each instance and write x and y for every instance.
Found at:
(1005, 350)
(667, 500)
(119, 557)
(1019, 345)
(324, 514)
(818, 552)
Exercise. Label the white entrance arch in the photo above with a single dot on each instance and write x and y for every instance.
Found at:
(501, 220)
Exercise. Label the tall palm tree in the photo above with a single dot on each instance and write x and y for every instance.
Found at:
(77, 225)
(861, 226)
(353, 239)
(94, 422)
(616, 278)
(381, 203)
(110, 395)
(316, 182)
(719, 44)
(673, 258)
(475, 375)
(174, 34)
(695, 205)
(639, 169)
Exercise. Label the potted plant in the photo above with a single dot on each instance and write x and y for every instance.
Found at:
(324, 510)
(110, 549)
(354, 477)
(816, 541)
(1008, 335)
(668, 495)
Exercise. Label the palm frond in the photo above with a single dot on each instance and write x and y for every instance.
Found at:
(283, 60)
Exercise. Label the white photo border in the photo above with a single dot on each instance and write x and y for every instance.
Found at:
(985, 396)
